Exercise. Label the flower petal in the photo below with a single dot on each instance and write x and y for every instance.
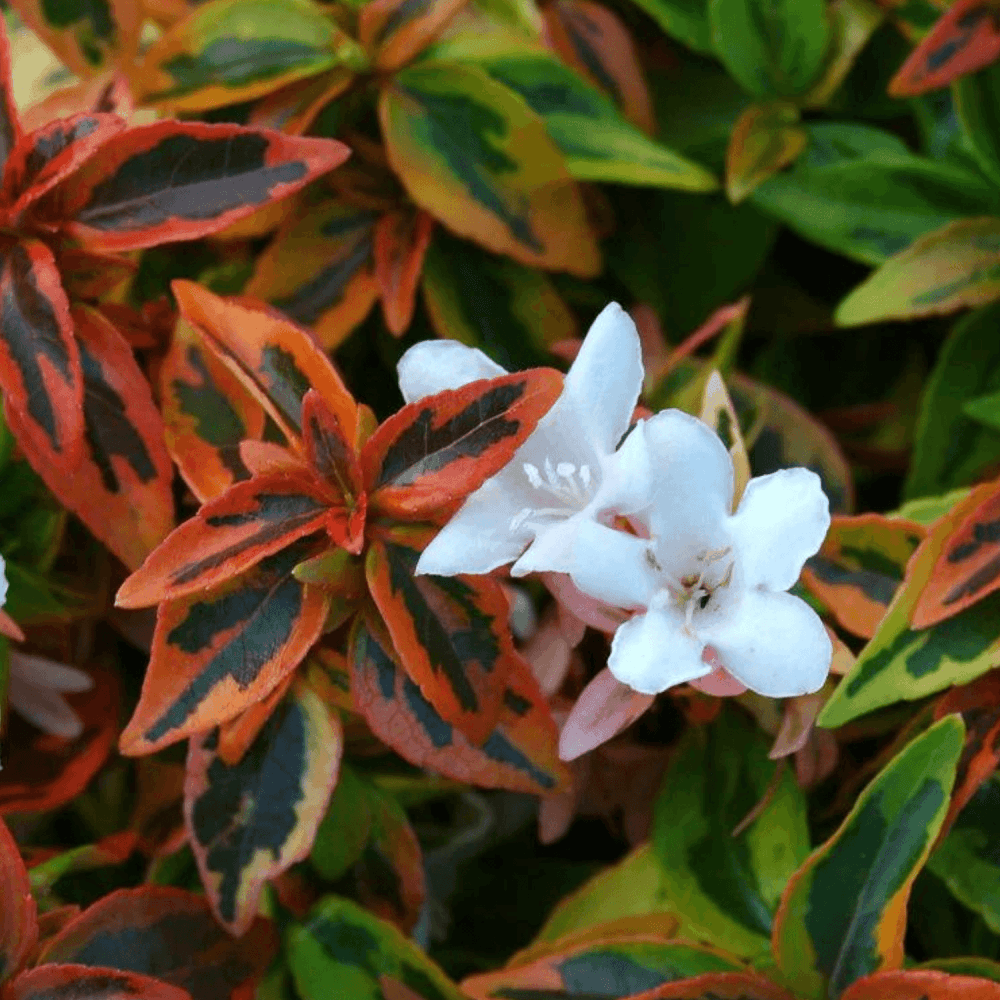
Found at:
(43, 708)
(606, 377)
(479, 537)
(626, 477)
(435, 365)
(552, 549)
(653, 652)
(605, 707)
(692, 489)
(613, 566)
(781, 521)
(772, 642)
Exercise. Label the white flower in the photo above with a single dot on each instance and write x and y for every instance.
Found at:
(710, 585)
(569, 471)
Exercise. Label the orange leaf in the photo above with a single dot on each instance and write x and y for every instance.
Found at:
(18, 913)
(401, 240)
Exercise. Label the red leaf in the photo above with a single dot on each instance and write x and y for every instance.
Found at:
(519, 754)
(39, 362)
(396, 31)
(48, 155)
(216, 653)
(444, 446)
(169, 933)
(237, 735)
(78, 982)
(43, 772)
(968, 567)
(207, 412)
(250, 521)
(979, 705)
(120, 486)
(401, 240)
(965, 39)
(720, 986)
(276, 359)
(250, 821)
(90, 276)
(180, 180)
(18, 913)
(920, 984)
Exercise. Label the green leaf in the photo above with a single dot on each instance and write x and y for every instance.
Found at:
(951, 449)
(977, 97)
(968, 860)
(955, 266)
(342, 950)
(773, 49)
(727, 887)
(926, 510)
(345, 828)
(510, 311)
(843, 914)
(685, 20)
(859, 192)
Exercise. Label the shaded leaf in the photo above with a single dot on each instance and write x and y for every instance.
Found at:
(954, 266)
(396, 31)
(519, 754)
(206, 414)
(342, 950)
(965, 39)
(228, 51)
(860, 566)
(318, 269)
(852, 24)
(843, 914)
(10, 121)
(216, 653)
(251, 821)
(19, 914)
(277, 360)
(171, 934)
(902, 663)
(977, 102)
(442, 447)
(766, 139)
(180, 180)
(475, 157)
(685, 20)
(54, 982)
(401, 241)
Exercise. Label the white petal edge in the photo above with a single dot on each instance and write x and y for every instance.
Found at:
(613, 566)
(604, 381)
(435, 365)
(652, 652)
(3, 582)
(774, 643)
(780, 522)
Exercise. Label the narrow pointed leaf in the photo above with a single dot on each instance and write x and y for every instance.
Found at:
(120, 485)
(860, 566)
(921, 984)
(45, 157)
(39, 362)
(216, 653)
(396, 31)
(342, 950)
(228, 51)
(442, 447)
(597, 142)
(968, 566)
(843, 914)
(520, 754)
(181, 180)
(229, 535)
(954, 266)
(903, 663)
(276, 359)
(87, 37)
(168, 933)
(318, 269)
(628, 964)
(592, 40)
(965, 39)
(765, 139)
(401, 241)
(18, 915)
(475, 157)
(53, 982)
(206, 414)
(251, 821)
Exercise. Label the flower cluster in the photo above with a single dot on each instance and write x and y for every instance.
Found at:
(639, 517)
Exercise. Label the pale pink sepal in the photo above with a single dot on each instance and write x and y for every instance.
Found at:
(550, 649)
(797, 723)
(605, 707)
(589, 610)
(719, 684)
